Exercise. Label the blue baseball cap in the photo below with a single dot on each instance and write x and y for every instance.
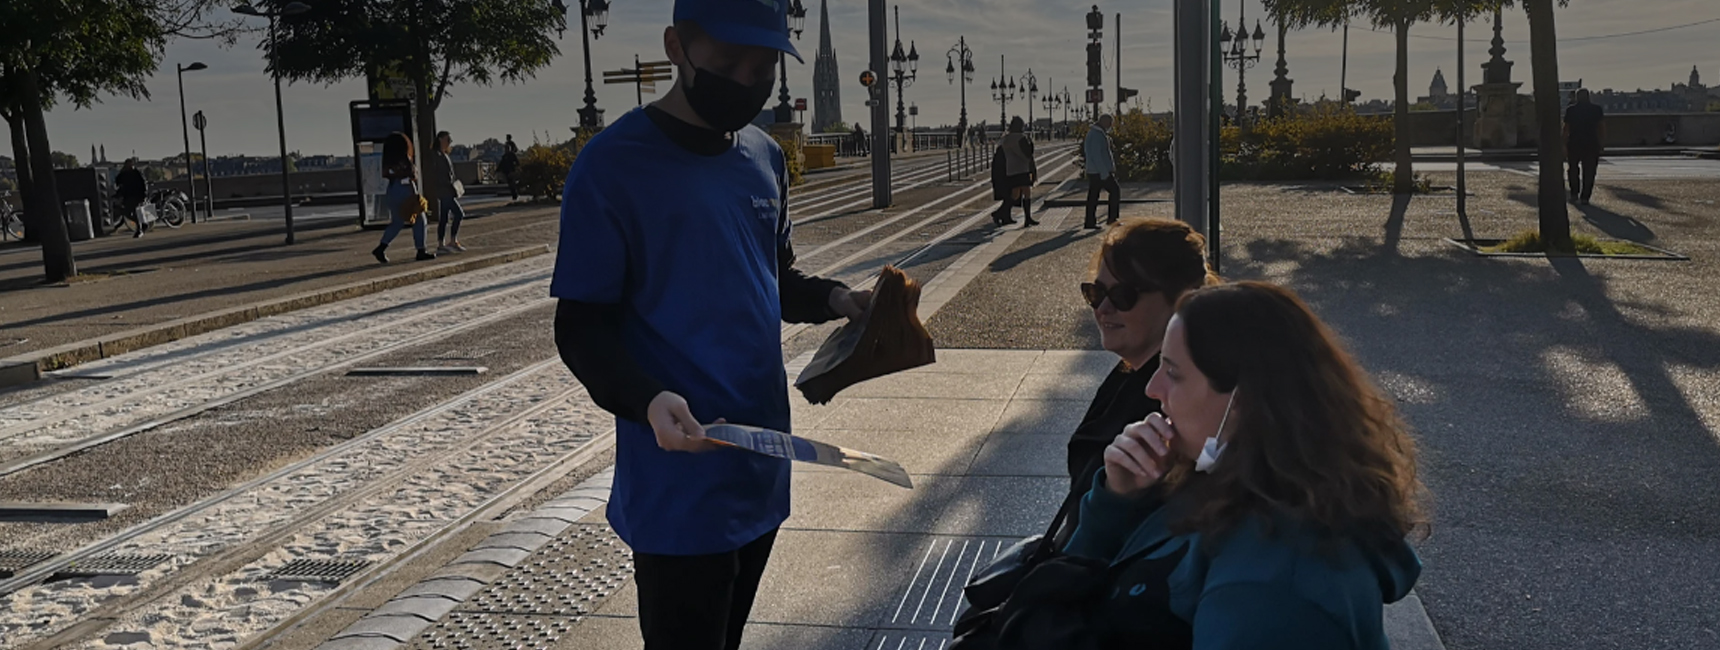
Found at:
(763, 23)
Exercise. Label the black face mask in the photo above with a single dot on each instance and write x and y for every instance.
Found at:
(723, 103)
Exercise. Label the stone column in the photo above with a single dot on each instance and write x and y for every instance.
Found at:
(1499, 111)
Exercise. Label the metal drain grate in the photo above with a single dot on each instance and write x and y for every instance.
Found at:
(333, 571)
(12, 561)
(541, 599)
(109, 565)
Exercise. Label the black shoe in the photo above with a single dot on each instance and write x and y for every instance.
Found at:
(381, 254)
(1030, 223)
(137, 234)
(425, 256)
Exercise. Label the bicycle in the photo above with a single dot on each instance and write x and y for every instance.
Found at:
(11, 220)
(166, 205)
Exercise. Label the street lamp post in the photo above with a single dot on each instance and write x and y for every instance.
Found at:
(1065, 101)
(960, 53)
(291, 9)
(1002, 92)
(796, 24)
(590, 11)
(1237, 56)
(190, 172)
(904, 69)
(1030, 88)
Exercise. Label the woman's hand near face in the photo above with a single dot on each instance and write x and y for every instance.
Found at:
(1139, 456)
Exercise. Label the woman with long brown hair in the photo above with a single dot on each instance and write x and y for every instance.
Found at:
(1267, 504)
(405, 202)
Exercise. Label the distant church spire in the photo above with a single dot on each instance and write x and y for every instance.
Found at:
(1695, 78)
(826, 80)
(1438, 89)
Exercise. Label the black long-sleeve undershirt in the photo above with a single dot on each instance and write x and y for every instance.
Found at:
(589, 335)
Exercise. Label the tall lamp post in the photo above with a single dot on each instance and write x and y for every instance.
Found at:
(291, 9)
(1003, 92)
(1065, 101)
(964, 55)
(1234, 47)
(796, 24)
(904, 68)
(190, 172)
(593, 19)
(1030, 88)
(1050, 102)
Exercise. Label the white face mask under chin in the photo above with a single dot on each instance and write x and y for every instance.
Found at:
(1210, 451)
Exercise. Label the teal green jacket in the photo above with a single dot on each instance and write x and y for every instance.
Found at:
(1249, 590)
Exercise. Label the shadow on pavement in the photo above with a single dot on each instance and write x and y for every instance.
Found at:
(1560, 439)
(1616, 225)
(184, 297)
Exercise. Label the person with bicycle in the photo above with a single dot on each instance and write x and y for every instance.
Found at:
(132, 190)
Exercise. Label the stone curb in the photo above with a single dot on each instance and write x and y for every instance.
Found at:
(416, 608)
(29, 367)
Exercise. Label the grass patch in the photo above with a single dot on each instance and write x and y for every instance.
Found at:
(1529, 241)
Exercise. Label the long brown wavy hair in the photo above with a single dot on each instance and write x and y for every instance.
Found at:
(1313, 438)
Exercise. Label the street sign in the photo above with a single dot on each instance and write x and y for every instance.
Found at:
(914, 110)
(199, 121)
(1096, 95)
(867, 79)
(800, 104)
(872, 102)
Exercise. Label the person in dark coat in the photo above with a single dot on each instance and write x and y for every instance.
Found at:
(133, 190)
(509, 165)
(1142, 268)
(1013, 172)
(1585, 130)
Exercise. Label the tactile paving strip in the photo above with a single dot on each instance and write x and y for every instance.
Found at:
(544, 597)
(109, 565)
(332, 571)
(12, 561)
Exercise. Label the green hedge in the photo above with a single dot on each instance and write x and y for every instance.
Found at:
(1324, 144)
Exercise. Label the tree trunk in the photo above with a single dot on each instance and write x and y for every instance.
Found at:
(47, 220)
(21, 165)
(1403, 180)
(1544, 54)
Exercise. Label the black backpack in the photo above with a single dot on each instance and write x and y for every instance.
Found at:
(1034, 597)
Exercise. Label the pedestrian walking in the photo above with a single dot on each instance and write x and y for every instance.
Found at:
(1139, 273)
(443, 187)
(405, 202)
(861, 146)
(1585, 130)
(133, 190)
(509, 165)
(1101, 173)
(1013, 173)
(1265, 506)
(670, 311)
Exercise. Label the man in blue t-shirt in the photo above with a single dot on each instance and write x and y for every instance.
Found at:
(674, 275)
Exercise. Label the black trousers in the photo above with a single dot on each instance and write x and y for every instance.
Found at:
(699, 602)
(1110, 186)
(1584, 163)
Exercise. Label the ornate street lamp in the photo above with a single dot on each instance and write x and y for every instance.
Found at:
(904, 69)
(291, 9)
(964, 55)
(1030, 88)
(593, 19)
(1235, 48)
(1003, 92)
(784, 111)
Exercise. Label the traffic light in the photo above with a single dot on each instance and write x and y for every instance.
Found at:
(1350, 96)
(1123, 94)
(1095, 68)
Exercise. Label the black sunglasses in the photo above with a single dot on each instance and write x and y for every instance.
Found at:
(1122, 296)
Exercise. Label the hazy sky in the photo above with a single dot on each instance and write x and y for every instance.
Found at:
(1048, 37)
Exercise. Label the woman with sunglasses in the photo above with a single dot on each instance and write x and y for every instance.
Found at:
(1143, 266)
(1266, 505)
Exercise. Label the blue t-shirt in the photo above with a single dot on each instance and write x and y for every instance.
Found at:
(687, 244)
